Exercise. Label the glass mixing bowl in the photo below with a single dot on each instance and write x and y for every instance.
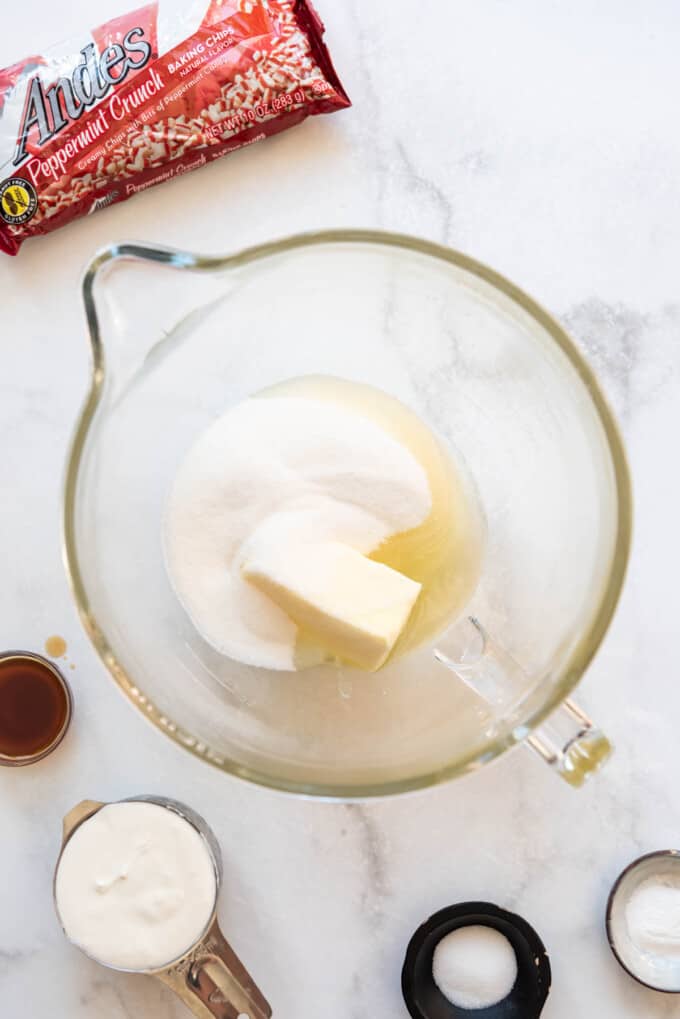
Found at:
(177, 338)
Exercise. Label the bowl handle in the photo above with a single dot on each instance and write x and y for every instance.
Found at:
(571, 744)
(567, 740)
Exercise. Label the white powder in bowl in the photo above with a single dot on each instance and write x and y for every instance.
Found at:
(653, 917)
(474, 967)
(299, 469)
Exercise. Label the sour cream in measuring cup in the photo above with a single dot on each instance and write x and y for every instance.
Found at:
(136, 886)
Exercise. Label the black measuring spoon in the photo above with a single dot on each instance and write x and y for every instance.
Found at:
(423, 998)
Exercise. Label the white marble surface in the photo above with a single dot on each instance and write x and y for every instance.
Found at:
(543, 138)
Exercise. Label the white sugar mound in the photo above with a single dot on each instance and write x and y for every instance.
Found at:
(299, 469)
(474, 967)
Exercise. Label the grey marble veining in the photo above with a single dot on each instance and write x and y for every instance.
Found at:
(541, 138)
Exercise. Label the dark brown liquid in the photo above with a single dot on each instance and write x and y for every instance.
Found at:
(33, 707)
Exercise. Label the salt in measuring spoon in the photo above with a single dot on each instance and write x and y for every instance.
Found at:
(527, 997)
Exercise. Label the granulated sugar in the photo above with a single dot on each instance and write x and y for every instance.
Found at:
(305, 470)
(474, 967)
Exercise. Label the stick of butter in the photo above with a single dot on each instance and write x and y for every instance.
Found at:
(355, 608)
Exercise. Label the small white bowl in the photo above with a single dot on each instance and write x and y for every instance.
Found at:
(657, 972)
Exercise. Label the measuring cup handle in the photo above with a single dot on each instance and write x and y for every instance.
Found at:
(568, 741)
(214, 983)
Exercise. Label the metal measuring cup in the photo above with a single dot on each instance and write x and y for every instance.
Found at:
(209, 978)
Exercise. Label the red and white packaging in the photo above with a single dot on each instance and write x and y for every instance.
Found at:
(149, 96)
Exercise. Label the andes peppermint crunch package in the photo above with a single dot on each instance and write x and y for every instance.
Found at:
(146, 97)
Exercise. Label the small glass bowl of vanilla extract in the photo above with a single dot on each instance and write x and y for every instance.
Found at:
(36, 706)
